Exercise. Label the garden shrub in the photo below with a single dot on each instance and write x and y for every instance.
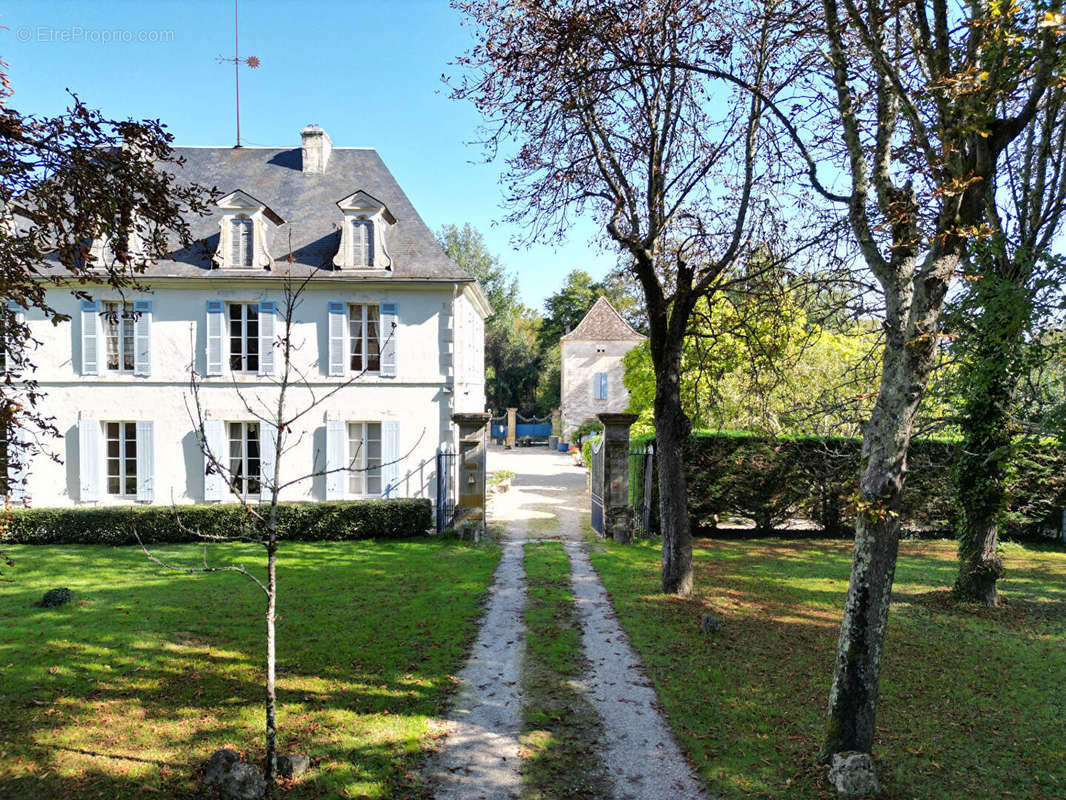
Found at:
(305, 522)
(769, 479)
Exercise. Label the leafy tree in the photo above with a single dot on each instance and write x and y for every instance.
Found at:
(466, 247)
(766, 367)
(512, 351)
(86, 201)
(565, 309)
(919, 102)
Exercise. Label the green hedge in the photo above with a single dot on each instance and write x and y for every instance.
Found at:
(305, 522)
(770, 479)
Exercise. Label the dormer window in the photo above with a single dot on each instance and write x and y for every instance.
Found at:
(241, 239)
(364, 233)
(246, 232)
(362, 244)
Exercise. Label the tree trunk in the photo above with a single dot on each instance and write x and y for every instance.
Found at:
(886, 438)
(271, 694)
(982, 467)
(672, 429)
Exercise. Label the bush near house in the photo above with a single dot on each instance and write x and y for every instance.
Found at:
(769, 479)
(306, 522)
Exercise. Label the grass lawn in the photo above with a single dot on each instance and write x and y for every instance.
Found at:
(123, 694)
(973, 701)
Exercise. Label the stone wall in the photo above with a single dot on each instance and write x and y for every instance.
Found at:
(581, 360)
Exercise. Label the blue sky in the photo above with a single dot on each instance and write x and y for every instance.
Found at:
(367, 72)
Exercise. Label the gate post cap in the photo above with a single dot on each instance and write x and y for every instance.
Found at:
(616, 418)
(473, 419)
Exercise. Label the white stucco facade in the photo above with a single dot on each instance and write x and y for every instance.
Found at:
(439, 370)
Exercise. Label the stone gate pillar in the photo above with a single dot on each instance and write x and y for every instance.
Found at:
(512, 423)
(470, 508)
(617, 511)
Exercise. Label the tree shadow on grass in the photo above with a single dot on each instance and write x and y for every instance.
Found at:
(126, 693)
(748, 704)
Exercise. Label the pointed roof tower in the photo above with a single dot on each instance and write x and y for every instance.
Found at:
(603, 323)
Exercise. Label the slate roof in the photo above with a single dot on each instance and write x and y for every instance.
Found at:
(602, 324)
(308, 204)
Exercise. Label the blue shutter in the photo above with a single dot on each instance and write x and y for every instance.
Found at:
(88, 460)
(145, 461)
(90, 337)
(390, 329)
(338, 339)
(336, 463)
(390, 457)
(268, 457)
(215, 325)
(268, 319)
(142, 337)
(215, 443)
(603, 385)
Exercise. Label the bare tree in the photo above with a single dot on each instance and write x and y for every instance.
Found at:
(666, 160)
(279, 414)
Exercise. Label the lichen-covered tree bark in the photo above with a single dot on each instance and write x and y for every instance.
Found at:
(928, 96)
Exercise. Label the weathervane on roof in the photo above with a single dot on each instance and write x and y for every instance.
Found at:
(251, 62)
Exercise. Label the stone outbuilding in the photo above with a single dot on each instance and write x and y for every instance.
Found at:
(591, 358)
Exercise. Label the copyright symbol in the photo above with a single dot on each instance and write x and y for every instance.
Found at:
(24, 33)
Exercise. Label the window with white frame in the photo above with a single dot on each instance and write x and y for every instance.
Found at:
(244, 337)
(244, 457)
(241, 242)
(361, 243)
(121, 458)
(364, 459)
(364, 337)
(119, 333)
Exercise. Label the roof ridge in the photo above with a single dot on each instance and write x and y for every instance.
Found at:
(589, 329)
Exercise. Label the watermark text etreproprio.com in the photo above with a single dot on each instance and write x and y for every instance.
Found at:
(76, 34)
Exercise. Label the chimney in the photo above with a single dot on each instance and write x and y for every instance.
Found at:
(316, 146)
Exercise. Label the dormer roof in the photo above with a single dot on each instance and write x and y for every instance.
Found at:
(603, 323)
(361, 202)
(240, 200)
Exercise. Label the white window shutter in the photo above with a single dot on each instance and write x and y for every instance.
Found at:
(215, 326)
(268, 323)
(241, 242)
(88, 460)
(390, 456)
(142, 337)
(338, 339)
(336, 460)
(362, 239)
(145, 461)
(11, 343)
(268, 457)
(390, 329)
(215, 443)
(90, 337)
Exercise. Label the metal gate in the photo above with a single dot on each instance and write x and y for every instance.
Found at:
(445, 487)
(642, 489)
(596, 485)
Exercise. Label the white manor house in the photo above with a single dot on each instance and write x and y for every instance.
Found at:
(384, 306)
